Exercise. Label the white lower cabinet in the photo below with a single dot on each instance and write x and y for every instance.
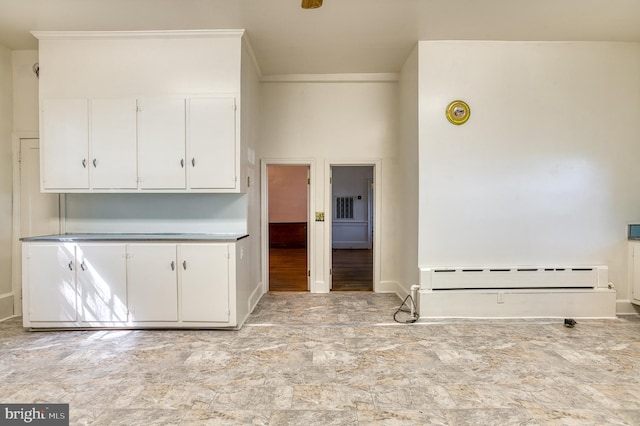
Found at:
(130, 284)
(153, 287)
(204, 282)
(101, 271)
(48, 270)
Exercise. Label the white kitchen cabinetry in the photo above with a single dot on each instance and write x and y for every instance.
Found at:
(192, 130)
(204, 282)
(161, 143)
(125, 283)
(112, 144)
(101, 271)
(75, 282)
(212, 143)
(152, 283)
(64, 144)
(49, 269)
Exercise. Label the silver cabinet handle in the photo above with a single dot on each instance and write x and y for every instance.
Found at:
(182, 163)
(70, 265)
(173, 265)
(184, 265)
(84, 163)
(193, 162)
(95, 162)
(83, 266)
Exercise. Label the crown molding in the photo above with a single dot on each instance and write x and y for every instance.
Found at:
(62, 35)
(323, 78)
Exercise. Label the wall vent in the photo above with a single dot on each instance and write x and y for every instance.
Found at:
(474, 278)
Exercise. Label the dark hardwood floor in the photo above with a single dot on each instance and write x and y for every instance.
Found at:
(352, 270)
(288, 269)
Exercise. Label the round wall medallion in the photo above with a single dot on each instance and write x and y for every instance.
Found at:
(458, 112)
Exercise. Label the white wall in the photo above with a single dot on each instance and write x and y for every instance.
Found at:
(25, 90)
(156, 213)
(408, 173)
(336, 121)
(545, 172)
(288, 194)
(6, 167)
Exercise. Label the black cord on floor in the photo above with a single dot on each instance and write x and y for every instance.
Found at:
(403, 309)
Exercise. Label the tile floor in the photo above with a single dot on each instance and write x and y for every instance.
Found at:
(333, 359)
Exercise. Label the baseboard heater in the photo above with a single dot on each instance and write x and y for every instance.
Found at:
(547, 277)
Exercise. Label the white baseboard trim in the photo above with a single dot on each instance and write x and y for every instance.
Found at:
(625, 307)
(392, 287)
(6, 306)
(255, 297)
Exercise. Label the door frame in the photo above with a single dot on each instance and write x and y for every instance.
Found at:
(377, 216)
(16, 248)
(264, 218)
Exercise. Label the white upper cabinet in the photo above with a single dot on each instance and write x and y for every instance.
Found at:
(212, 143)
(113, 144)
(154, 111)
(64, 144)
(161, 143)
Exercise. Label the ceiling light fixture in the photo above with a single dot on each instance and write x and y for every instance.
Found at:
(311, 4)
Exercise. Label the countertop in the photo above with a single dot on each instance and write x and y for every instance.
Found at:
(633, 232)
(222, 238)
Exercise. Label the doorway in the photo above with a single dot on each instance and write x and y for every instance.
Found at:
(288, 228)
(35, 213)
(352, 227)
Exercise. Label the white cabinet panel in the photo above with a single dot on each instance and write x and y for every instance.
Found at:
(113, 162)
(161, 143)
(65, 144)
(152, 282)
(635, 273)
(204, 282)
(50, 269)
(102, 282)
(212, 143)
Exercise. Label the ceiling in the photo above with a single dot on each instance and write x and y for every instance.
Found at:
(343, 36)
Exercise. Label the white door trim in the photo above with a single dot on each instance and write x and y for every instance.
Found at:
(16, 252)
(264, 219)
(16, 248)
(377, 216)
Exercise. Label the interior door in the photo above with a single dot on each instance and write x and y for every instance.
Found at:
(287, 217)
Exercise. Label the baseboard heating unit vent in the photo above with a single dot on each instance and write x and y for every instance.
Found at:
(521, 277)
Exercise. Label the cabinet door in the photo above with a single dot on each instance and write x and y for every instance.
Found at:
(113, 144)
(204, 282)
(51, 271)
(152, 289)
(102, 282)
(212, 143)
(636, 273)
(65, 144)
(161, 143)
